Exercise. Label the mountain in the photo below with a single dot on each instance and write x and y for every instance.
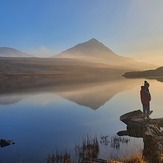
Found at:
(95, 51)
(90, 48)
(149, 74)
(11, 52)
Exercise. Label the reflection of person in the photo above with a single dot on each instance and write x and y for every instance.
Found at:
(145, 99)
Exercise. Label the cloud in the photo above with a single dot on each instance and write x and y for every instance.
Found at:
(42, 52)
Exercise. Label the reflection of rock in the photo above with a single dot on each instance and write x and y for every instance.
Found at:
(4, 142)
(149, 130)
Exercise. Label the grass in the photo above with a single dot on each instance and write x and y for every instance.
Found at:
(88, 151)
(134, 159)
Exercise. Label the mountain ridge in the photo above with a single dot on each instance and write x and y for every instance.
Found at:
(95, 51)
(88, 47)
(11, 52)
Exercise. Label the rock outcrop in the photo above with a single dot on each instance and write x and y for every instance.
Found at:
(4, 142)
(149, 130)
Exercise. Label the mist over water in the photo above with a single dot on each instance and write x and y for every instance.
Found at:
(41, 121)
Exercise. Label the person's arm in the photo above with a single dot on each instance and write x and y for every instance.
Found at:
(141, 96)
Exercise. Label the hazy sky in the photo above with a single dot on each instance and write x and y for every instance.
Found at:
(132, 28)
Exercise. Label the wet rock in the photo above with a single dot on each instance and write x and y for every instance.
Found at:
(149, 130)
(4, 142)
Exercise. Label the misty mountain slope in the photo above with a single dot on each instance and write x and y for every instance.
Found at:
(17, 74)
(92, 49)
(11, 52)
(47, 66)
(95, 51)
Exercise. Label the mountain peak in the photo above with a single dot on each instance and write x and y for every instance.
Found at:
(92, 45)
(93, 40)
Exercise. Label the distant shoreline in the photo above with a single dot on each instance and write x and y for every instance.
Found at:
(148, 74)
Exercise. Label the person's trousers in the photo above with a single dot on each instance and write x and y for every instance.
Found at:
(146, 109)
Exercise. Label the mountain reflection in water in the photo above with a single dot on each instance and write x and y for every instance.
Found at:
(46, 118)
(92, 95)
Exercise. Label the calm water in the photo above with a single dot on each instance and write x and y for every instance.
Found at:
(41, 122)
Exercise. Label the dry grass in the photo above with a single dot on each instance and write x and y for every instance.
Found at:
(134, 159)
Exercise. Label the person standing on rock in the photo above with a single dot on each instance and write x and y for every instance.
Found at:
(145, 99)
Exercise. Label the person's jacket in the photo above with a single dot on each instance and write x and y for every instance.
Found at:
(145, 95)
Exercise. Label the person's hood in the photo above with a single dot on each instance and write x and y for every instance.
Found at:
(142, 87)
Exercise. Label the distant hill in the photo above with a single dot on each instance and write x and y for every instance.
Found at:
(149, 74)
(11, 52)
(65, 68)
(95, 51)
(28, 73)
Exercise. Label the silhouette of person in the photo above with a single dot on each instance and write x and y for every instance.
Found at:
(145, 99)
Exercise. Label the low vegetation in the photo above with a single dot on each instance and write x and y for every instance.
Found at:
(89, 151)
(134, 159)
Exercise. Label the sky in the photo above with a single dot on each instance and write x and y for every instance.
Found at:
(131, 28)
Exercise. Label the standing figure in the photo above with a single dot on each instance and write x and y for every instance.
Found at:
(145, 99)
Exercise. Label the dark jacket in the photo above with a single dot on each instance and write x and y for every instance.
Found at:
(145, 95)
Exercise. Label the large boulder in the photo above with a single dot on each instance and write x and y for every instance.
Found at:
(149, 130)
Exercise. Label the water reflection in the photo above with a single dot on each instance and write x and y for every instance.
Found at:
(96, 95)
(11, 98)
(92, 95)
(56, 117)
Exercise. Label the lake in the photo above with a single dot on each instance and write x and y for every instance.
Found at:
(41, 121)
